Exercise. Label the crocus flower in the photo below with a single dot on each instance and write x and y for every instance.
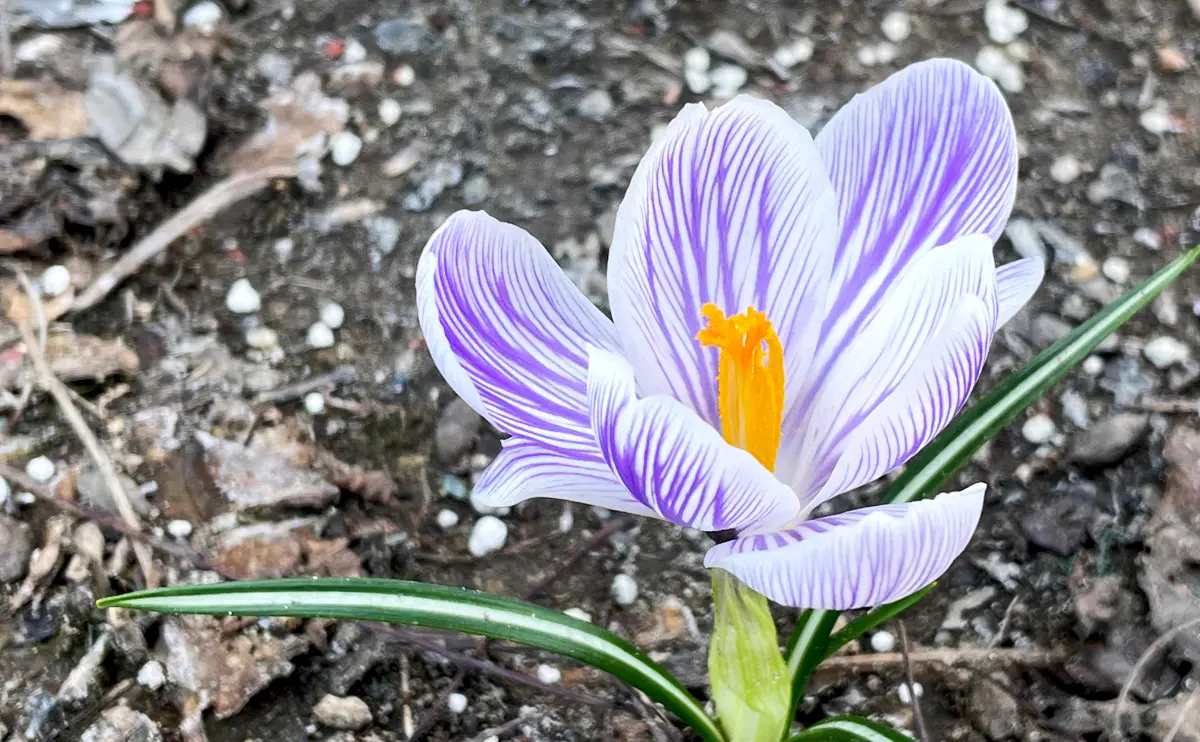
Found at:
(792, 318)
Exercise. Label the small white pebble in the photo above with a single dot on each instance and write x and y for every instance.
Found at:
(456, 702)
(314, 403)
(1065, 169)
(579, 613)
(242, 298)
(994, 63)
(179, 528)
(796, 52)
(41, 469)
(548, 674)
(332, 314)
(389, 111)
(55, 280)
(883, 641)
(25, 499)
(1116, 269)
(1165, 351)
(5, 492)
(1157, 119)
(204, 16)
(447, 519)
(1147, 237)
(696, 80)
(283, 248)
(151, 675)
(907, 694)
(1004, 23)
(320, 336)
(354, 52)
(1039, 429)
(1093, 365)
(404, 75)
(344, 147)
(262, 338)
(697, 58)
(487, 535)
(727, 80)
(624, 589)
(896, 26)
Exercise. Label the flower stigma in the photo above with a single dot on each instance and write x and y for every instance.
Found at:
(749, 380)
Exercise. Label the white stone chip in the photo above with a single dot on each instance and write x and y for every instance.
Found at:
(1093, 365)
(262, 338)
(151, 675)
(1165, 351)
(579, 613)
(908, 694)
(1065, 169)
(992, 62)
(332, 314)
(320, 336)
(242, 298)
(1039, 429)
(487, 535)
(342, 712)
(447, 519)
(179, 528)
(314, 403)
(41, 469)
(55, 280)
(697, 58)
(896, 26)
(549, 674)
(1004, 23)
(204, 16)
(344, 147)
(883, 641)
(389, 111)
(624, 589)
(727, 80)
(456, 702)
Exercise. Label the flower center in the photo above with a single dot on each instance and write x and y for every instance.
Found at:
(750, 380)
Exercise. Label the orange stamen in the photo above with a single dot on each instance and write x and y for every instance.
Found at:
(749, 378)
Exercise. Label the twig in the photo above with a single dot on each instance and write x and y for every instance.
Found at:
(609, 530)
(1004, 622)
(1169, 405)
(1183, 715)
(221, 195)
(918, 717)
(406, 715)
(496, 732)
(39, 314)
(43, 493)
(973, 656)
(1151, 651)
(338, 376)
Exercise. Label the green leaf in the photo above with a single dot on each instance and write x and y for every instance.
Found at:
(849, 729)
(872, 618)
(439, 607)
(930, 468)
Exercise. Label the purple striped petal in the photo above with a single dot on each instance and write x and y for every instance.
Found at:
(862, 558)
(1015, 284)
(924, 158)
(509, 331)
(525, 470)
(931, 394)
(675, 463)
(731, 207)
(882, 355)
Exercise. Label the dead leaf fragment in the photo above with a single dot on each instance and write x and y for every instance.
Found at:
(259, 478)
(47, 109)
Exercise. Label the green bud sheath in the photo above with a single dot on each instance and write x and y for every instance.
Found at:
(745, 668)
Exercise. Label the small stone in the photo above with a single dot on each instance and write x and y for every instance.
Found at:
(1075, 408)
(452, 486)
(1047, 329)
(15, 548)
(596, 105)
(1004, 23)
(262, 338)
(320, 335)
(384, 232)
(40, 468)
(389, 111)
(179, 528)
(401, 162)
(697, 58)
(488, 535)
(1039, 429)
(549, 674)
(992, 62)
(55, 280)
(332, 314)
(122, 724)
(344, 147)
(475, 190)
(874, 55)
(896, 26)
(203, 16)
(404, 35)
(404, 75)
(1157, 119)
(907, 694)
(5, 492)
(1117, 269)
(797, 52)
(727, 80)
(447, 519)
(1093, 365)
(1066, 169)
(354, 52)
(578, 613)
(1109, 440)
(456, 703)
(242, 298)
(996, 714)
(697, 81)
(1165, 351)
(283, 247)
(1060, 524)
(314, 403)
(624, 589)
(1170, 59)
(342, 712)
(456, 430)
(274, 66)
(883, 641)
(151, 675)
(1147, 237)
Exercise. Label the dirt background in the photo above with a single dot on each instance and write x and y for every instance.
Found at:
(245, 444)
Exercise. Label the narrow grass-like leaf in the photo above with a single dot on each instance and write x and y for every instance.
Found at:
(849, 729)
(439, 607)
(872, 618)
(930, 468)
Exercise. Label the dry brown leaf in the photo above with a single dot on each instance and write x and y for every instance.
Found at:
(300, 120)
(48, 110)
(88, 358)
(18, 310)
